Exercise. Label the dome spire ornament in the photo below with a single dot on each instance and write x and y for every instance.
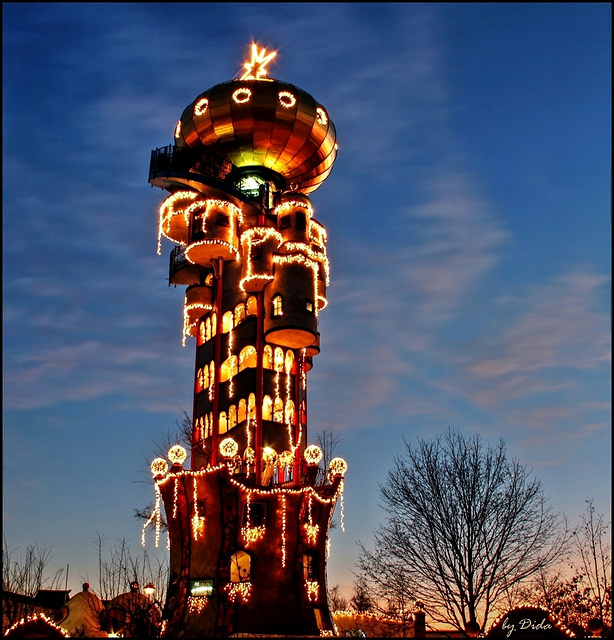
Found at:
(256, 67)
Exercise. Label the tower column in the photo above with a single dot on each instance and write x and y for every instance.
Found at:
(218, 271)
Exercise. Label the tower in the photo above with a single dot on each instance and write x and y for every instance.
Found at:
(249, 519)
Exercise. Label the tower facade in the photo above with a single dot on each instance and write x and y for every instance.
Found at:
(248, 515)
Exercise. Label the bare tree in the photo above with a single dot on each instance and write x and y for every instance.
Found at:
(593, 548)
(336, 600)
(328, 440)
(464, 525)
(24, 573)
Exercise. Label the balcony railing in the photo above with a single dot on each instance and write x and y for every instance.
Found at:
(172, 160)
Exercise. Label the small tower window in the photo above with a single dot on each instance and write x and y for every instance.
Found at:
(309, 306)
(222, 220)
(285, 222)
(240, 567)
(277, 307)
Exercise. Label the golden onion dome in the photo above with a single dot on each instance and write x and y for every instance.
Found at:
(263, 123)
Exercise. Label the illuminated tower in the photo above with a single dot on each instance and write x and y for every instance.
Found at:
(249, 520)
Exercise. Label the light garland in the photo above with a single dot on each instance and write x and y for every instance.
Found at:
(158, 467)
(231, 368)
(198, 521)
(338, 467)
(178, 129)
(197, 604)
(283, 530)
(177, 454)
(312, 454)
(35, 618)
(251, 534)
(242, 95)
(286, 99)
(243, 590)
(311, 531)
(200, 108)
(175, 494)
(155, 515)
(222, 243)
(211, 380)
(313, 590)
(228, 448)
(321, 116)
(168, 210)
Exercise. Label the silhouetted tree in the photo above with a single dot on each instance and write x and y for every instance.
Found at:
(336, 601)
(464, 524)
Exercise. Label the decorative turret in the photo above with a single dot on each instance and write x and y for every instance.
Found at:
(249, 520)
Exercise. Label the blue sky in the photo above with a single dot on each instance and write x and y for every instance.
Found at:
(468, 216)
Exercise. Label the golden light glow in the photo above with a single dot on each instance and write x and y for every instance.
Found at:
(177, 454)
(228, 448)
(178, 129)
(34, 618)
(158, 467)
(286, 99)
(338, 467)
(256, 69)
(321, 116)
(312, 454)
(313, 590)
(242, 95)
(198, 521)
(197, 604)
(243, 590)
(311, 531)
(200, 108)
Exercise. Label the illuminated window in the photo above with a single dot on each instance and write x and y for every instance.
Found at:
(309, 306)
(201, 588)
(223, 422)
(247, 357)
(242, 413)
(213, 324)
(289, 412)
(240, 566)
(227, 322)
(268, 357)
(252, 306)
(277, 307)
(289, 359)
(267, 408)
(239, 313)
(278, 415)
(251, 405)
(279, 359)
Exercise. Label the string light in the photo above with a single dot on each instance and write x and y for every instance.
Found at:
(177, 454)
(178, 129)
(286, 99)
(198, 521)
(283, 530)
(36, 617)
(313, 590)
(158, 467)
(312, 454)
(155, 515)
(242, 95)
(200, 108)
(228, 448)
(256, 68)
(197, 604)
(321, 116)
(168, 210)
(241, 589)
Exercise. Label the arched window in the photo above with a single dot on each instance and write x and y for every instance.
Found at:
(242, 413)
(199, 380)
(202, 331)
(278, 415)
(252, 306)
(289, 360)
(205, 377)
(289, 412)
(277, 307)
(239, 313)
(227, 322)
(268, 357)
(267, 408)
(240, 567)
(247, 358)
(213, 324)
(223, 422)
(279, 359)
(232, 417)
(229, 368)
(251, 405)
